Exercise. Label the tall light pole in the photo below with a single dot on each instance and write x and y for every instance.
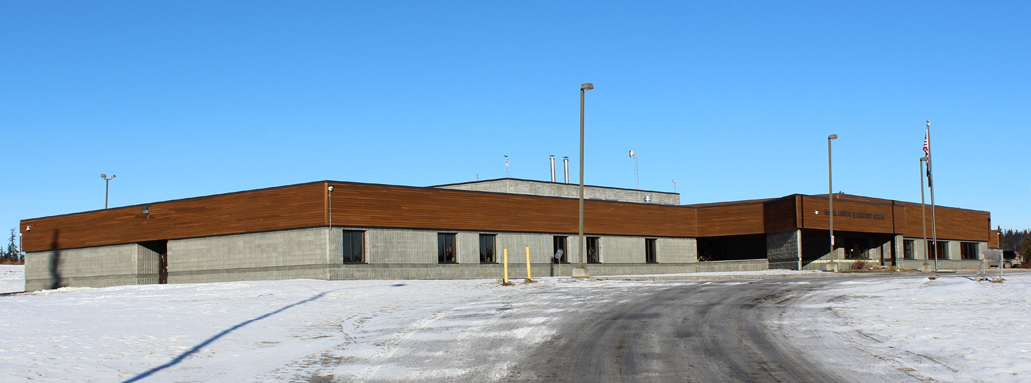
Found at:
(580, 270)
(107, 186)
(923, 210)
(830, 195)
(637, 178)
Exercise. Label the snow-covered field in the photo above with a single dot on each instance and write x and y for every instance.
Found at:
(12, 278)
(949, 329)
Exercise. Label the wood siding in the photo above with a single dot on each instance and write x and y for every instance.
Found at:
(727, 220)
(780, 215)
(259, 210)
(952, 223)
(444, 209)
(857, 216)
(385, 206)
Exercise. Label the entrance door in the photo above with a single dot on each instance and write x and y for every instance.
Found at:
(161, 248)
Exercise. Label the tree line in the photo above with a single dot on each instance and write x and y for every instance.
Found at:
(12, 254)
(1019, 241)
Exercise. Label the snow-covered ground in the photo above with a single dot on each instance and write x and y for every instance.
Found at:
(12, 278)
(949, 329)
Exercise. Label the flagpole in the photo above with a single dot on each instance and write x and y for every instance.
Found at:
(930, 184)
(923, 212)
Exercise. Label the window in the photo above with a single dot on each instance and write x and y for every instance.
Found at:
(593, 250)
(487, 250)
(942, 251)
(560, 244)
(650, 251)
(446, 248)
(908, 249)
(968, 250)
(354, 243)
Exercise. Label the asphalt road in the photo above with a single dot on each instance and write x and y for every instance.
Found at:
(687, 333)
(608, 331)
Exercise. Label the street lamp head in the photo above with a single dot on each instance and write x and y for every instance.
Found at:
(586, 86)
(103, 175)
(832, 137)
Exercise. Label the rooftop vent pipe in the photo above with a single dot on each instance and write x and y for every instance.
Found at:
(565, 163)
(552, 168)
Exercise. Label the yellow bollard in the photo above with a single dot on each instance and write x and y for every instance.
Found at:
(528, 279)
(506, 283)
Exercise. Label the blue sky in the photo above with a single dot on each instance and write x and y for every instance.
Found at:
(733, 99)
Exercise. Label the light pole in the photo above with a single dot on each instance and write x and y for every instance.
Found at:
(674, 185)
(107, 186)
(923, 210)
(637, 178)
(580, 270)
(830, 196)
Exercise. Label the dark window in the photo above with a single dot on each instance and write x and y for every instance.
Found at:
(487, 251)
(446, 248)
(650, 251)
(968, 250)
(942, 251)
(354, 243)
(560, 244)
(908, 248)
(593, 250)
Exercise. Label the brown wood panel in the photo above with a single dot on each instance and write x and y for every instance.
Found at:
(900, 218)
(369, 205)
(952, 223)
(259, 210)
(857, 216)
(726, 220)
(780, 215)
(364, 205)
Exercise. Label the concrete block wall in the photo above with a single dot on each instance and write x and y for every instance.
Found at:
(86, 267)
(286, 254)
(517, 186)
(955, 253)
(401, 246)
(900, 247)
(677, 250)
(403, 254)
(782, 250)
(943, 264)
(615, 249)
(918, 249)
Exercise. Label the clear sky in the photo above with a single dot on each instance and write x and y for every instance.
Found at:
(733, 99)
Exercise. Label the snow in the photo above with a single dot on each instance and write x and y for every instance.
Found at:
(12, 278)
(949, 329)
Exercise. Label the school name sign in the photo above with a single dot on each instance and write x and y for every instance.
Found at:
(855, 214)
